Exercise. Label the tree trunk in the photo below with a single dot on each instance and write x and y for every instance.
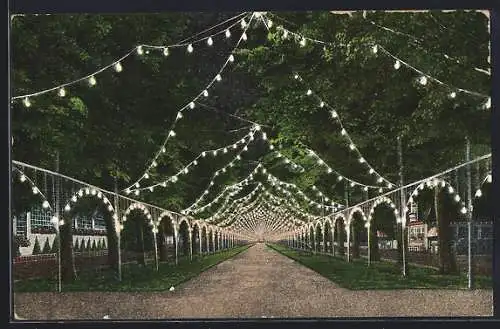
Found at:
(374, 251)
(112, 242)
(68, 270)
(340, 241)
(162, 242)
(447, 263)
(141, 257)
(355, 242)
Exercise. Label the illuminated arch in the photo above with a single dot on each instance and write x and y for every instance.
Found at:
(379, 201)
(431, 183)
(354, 211)
(140, 207)
(329, 221)
(92, 193)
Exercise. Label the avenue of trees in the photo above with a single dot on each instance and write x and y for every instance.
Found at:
(112, 130)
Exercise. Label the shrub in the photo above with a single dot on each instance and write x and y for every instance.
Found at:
(36, 247)
(46, 247)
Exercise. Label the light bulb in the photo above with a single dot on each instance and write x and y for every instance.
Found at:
(245, 148)
(163, 150)
(35, 190)
(218, 77)
(269, 23)
(165, 51)
(296, 76)
(203, 154)
(243, 23)
(174, 179)
(140, 51)
(118, 67)
(67, 208)
(210, 41)
(463, 210)
(61, 92)
(303, 42)
(151, 188)
(171, 133)
(179, 115)
(225, 150)
(343, 132)
(214, 152)
(479, 193)
(487, 105)
(22, 178)
(423, 80)
(488, 178)
(154, 164)
(191, 105)
(228, 33)
(361, 160)
(450, 189)
(190, 48)
(271, 146)
(340, 178)
(205, 93)
(371, 171)
(352, 184)
(26, 102)
(45, 204)
(92, 81)
(244, 36)
(195, 162)
(380, 190)
(309, 92)
(397, 65)
(329, 170)
(146, 176)
(186, 170)
(322, 104)
(380, 180)
(457, 198)
(375, 49)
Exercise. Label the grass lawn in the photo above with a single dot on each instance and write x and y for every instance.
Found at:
(356, 275)
(135, 278)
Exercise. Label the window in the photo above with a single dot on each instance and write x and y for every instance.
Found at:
(21, 227)
(99, 222)
(40, 217)
(84, 221)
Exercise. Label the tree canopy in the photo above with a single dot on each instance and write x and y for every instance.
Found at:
(114, 129)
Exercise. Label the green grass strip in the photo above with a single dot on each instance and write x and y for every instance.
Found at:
(357, 275)
(135, 278)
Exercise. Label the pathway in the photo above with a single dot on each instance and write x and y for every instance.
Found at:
(257, 283)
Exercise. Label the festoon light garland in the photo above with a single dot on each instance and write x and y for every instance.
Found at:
(190, 105)
(375, 47)
(345, 134)
(117, 64)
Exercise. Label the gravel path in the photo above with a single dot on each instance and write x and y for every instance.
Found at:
(256, 283)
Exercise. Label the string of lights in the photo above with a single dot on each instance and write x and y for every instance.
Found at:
(191, 105)
(117, 66)
(343, 132)
(423, 79)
